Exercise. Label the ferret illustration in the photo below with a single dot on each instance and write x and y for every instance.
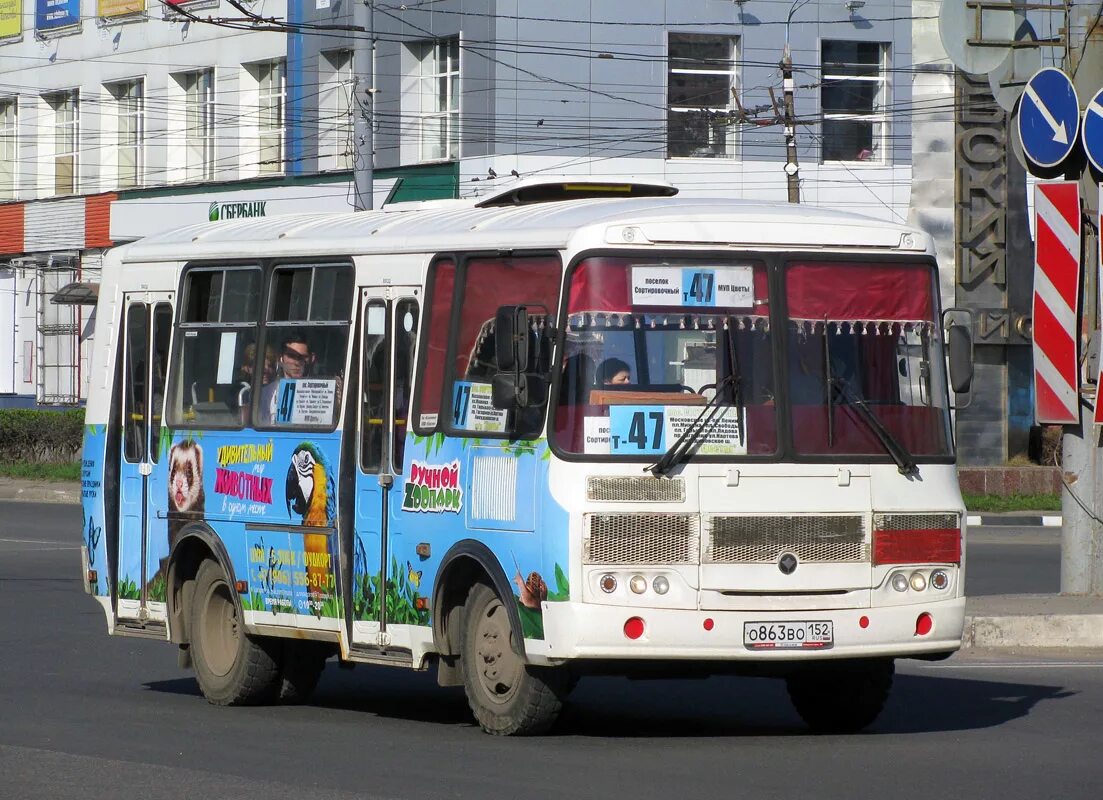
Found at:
(186, 499)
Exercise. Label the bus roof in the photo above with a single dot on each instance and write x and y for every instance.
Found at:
(634, 222)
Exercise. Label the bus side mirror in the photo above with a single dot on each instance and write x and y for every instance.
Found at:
(518, 390)
(511, 344)
(959, 344)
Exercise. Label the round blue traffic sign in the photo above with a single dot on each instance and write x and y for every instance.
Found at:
(1049, 117)
(1092, 131)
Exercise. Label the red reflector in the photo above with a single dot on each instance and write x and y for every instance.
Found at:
(923, 624)
(709, 624)
(919, 546)
(633, 628)
(242, 587)
(863, 622)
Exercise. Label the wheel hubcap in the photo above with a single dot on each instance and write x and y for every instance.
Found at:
(219, 630)
(499, 667)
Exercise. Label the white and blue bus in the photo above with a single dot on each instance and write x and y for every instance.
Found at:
(567, 428)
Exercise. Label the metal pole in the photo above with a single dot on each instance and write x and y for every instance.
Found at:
(363, 17)
(792, 166)
(1081, 458)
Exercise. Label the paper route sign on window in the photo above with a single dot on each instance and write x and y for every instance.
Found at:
(700, 287)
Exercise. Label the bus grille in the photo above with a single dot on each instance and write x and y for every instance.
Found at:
(633, 489)
(742, 540)
(915, 522)
(641, 539)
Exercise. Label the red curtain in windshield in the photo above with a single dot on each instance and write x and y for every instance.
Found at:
(601, 284)
(840, 291)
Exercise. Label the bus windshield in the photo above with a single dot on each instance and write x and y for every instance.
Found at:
(656, 346)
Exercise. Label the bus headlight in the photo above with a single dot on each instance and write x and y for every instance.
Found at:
(919, 581)
(638, 584)
(661, 585)
(900, 582)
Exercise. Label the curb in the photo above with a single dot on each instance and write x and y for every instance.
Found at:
(32, 492)
(1015, 520)
(1034, 631)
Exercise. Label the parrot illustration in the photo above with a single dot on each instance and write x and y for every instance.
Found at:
(310, 493)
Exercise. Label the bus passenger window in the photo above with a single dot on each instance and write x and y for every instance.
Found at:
(216, 348)
(135, 419)
(307, 327)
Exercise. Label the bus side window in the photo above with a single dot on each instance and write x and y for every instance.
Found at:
(307, 326)
(212, 374)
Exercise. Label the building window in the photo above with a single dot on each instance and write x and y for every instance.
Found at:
(337, 149)
(700, 96)
(435, 99)
(198, 89)
(66, 124)
(8, 153)
(271, 93)
(129, 100)
(853, 99)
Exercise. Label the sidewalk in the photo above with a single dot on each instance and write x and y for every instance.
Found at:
(991, 621)
(39, 491)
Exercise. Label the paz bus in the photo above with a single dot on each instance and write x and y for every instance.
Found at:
(566, 428)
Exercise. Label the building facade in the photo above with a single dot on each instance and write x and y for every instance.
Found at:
(119, 118)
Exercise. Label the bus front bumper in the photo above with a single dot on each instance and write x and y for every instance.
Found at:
(590, 631)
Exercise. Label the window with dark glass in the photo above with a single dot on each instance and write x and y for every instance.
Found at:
(405, 340)
(162, 336)
(854, 99)
(217, 357)
(373, 412)
(135, 410)
(306, 332)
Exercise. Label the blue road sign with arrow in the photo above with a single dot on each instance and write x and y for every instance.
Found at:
(1093, 130)
(1049, 117)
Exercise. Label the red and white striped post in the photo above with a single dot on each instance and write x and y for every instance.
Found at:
(1056, 302)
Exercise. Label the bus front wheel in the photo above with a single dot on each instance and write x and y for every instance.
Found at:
(842, 697)
(507, 696)
(232, 667)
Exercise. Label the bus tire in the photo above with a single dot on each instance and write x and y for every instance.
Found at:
(507, 696)
(843, 697)
(303, 663)
(232, 667)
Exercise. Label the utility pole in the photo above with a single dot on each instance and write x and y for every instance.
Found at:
(1081, 456)
(792, 166)
(363, 19)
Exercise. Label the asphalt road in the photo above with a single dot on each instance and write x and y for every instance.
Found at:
(90, 716)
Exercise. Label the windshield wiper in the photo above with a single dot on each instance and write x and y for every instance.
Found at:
(905, 462)
(680, 450)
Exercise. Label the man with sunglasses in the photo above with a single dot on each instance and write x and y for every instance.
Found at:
(295, 361)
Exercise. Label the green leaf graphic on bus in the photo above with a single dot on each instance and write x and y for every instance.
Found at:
(128, 590)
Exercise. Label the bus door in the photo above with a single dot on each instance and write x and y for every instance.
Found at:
(140, 580)
(389, 323)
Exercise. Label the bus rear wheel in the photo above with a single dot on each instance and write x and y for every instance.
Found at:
(232, 667)
(842, 697)
(302, 666)
(507, 696)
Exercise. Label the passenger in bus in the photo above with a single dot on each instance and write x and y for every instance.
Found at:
(245, 376)
(614, 371)
(296, 360)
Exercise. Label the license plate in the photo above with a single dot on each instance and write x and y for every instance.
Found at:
(788, 635)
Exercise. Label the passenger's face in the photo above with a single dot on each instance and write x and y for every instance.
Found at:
(295, 359)
(269, 373)
(621, 377)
